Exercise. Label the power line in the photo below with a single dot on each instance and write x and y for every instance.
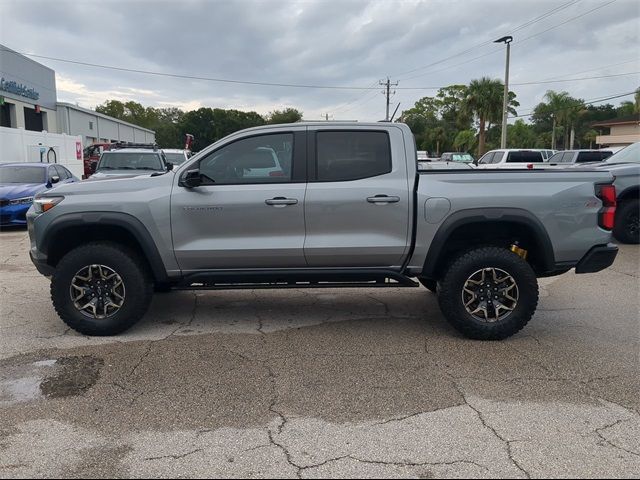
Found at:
(635, 60)
(567, 21)
(577, 104)
(515, 41)
(519, 27)
(539, 82)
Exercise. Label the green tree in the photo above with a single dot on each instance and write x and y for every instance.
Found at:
(288, 115)
(465, 140)
(590, 137)
(484, 101)
(520, 135)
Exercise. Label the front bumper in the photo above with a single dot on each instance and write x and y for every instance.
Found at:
(598, 258)
(40, 261)
(13, 215)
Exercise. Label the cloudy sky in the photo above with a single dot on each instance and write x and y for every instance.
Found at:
(346, 43)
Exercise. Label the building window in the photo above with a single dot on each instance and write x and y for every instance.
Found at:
(90, 125)
(5, 115)
(32, 120)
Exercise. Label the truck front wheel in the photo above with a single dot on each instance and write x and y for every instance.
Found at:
(489, 293)
(101, 289)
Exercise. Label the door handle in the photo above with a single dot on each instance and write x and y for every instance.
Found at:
(383, 199)
(281, 201)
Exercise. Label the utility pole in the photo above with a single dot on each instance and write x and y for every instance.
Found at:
(387, 92)
(503, 139)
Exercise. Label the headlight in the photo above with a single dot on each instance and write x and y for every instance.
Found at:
(21, 201)
(44, 204)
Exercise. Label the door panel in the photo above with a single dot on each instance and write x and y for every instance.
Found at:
(249, 212)
(231, 226)
(350, 223)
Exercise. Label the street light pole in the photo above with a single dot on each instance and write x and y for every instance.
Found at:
(503, 139)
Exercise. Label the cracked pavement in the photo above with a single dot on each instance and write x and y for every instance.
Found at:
(321, 383)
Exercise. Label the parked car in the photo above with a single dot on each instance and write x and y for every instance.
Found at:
(579, 156)
(20, 182)
(130, 162)
(547, 153)
(510, 158)
(439, 165)
(462, 157)
(176, 156)
(625, 167)
(350, 212)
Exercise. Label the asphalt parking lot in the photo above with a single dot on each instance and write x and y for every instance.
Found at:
(321, 383)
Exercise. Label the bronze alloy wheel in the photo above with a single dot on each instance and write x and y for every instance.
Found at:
(490, 294)
(97, 291)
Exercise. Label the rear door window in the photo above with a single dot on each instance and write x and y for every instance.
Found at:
(352, 155)
(524, 157)
(590, 157)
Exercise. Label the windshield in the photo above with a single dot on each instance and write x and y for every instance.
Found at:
(130, 161)
(19, 174)
(175, 158)
(462, 157)
(630, 154)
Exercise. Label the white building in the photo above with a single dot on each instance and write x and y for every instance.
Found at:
(28, 100)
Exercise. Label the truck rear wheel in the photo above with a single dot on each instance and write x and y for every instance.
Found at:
(101, 289)
(489, 293)
(627, 222)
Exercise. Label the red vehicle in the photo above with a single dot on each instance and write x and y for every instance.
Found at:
(91, 155)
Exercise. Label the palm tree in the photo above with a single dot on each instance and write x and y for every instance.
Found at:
(564, 112)
(590, 137)
(484, 102)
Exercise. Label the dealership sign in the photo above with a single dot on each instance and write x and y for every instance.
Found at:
(18, 89)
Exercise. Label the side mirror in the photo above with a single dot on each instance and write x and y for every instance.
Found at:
(169, 166)
(191, 179)
(55, 179)
(475, 162)
(92, 167)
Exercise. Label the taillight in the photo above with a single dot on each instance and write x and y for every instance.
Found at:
(607, 214)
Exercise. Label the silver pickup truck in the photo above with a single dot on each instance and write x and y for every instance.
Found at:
(343, 206)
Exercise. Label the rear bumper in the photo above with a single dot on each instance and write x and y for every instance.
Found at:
(598, 258)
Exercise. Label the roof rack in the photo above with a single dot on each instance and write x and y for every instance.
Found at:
(119, 145)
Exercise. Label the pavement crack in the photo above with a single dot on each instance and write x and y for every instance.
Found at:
(506, 442)
(141, 359)
(598, 432)
(174, 456)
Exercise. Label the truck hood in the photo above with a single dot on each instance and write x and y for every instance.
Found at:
(120, 173)
(115, 184)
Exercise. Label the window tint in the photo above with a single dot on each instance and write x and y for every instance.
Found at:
(524, 157)
(487, 158)
(261, 159)
(56, 170)
(590, 157)
(351, 155)
(497, 157)
(556, 157)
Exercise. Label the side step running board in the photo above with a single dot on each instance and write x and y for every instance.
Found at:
(294, 278)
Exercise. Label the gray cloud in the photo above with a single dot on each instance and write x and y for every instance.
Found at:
(318, 42)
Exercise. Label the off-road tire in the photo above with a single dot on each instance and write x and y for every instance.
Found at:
(450, 295)
(627, 228)
(431, 285)
(135, 276)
